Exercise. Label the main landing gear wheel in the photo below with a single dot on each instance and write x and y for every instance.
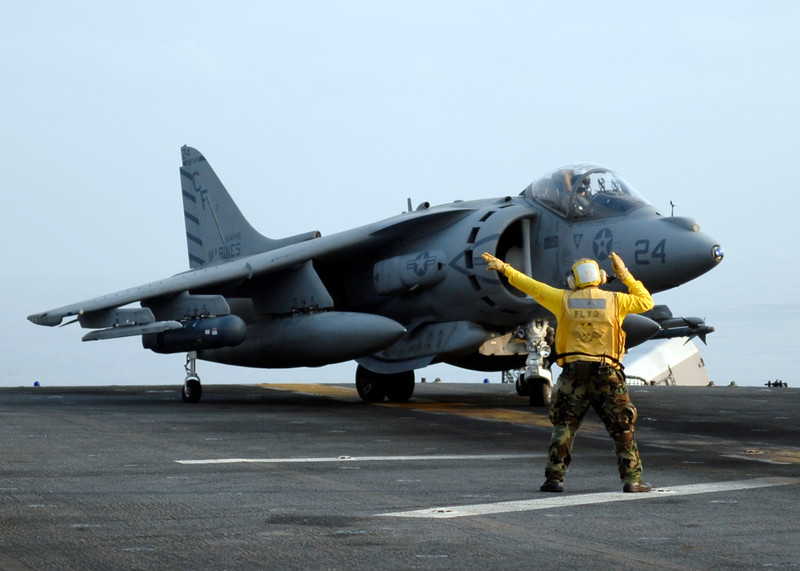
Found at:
(374, 387)
(400, 386)
(369, 385)
(192, 390)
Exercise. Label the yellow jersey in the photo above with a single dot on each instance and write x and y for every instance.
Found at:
(589, 319)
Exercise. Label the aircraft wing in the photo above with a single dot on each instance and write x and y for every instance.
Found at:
(104, 311)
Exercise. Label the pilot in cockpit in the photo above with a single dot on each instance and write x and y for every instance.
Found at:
(583, 197)
(585, 187)
(585, 191)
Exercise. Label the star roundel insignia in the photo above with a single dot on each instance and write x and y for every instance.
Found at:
(421, 263)
(603, 244)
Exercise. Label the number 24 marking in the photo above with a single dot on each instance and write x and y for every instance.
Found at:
(643, 249)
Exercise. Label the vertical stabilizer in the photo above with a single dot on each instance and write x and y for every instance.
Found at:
(216, 230)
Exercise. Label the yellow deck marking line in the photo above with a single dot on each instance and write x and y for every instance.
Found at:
(455, 408)
(315, 390)
(590, 428)
(483, 413)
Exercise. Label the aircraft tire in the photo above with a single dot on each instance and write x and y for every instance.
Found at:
(371, 386)
(522, 386)
(541, 392)
(400, 386)
(192, 390)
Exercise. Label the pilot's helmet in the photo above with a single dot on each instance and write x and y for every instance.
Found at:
(586, 272)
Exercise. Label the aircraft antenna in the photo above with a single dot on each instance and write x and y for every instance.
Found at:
(672, 204)
(216, 221)
(409, 204)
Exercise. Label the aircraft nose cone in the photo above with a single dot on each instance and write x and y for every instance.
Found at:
(702, 254)
(695, 245)
(685, 254)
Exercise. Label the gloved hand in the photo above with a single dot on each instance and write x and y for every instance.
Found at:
(495, 264)
(618, 265)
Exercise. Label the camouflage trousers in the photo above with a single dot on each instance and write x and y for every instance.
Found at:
(585, 384)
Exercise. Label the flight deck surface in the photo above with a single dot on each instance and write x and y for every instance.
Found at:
(310, 477)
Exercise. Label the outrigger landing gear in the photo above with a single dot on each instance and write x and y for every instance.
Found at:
(192, 390)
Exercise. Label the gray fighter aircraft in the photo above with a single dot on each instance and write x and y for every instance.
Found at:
(399, 294)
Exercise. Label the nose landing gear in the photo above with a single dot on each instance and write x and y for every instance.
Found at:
(535, 380)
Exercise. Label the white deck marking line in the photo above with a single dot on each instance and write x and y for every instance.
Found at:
(357, 459)
(559, 501)
(754, 459)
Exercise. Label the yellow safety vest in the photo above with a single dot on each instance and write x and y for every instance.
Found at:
(606, 338)
(589, 327)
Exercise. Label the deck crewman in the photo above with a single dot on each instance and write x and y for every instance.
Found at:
(589, 344)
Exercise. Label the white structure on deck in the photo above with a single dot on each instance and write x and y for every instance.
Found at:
(667, 362)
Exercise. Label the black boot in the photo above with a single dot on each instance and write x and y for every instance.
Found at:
(634, 487)
(552, 486)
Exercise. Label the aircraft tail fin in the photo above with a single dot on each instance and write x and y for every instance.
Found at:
(216, 230)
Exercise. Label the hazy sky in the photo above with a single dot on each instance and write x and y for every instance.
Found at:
(328, 115)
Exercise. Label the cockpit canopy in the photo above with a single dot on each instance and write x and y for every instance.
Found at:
(584, 191)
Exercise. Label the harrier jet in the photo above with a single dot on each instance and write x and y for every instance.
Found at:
(402, 293)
